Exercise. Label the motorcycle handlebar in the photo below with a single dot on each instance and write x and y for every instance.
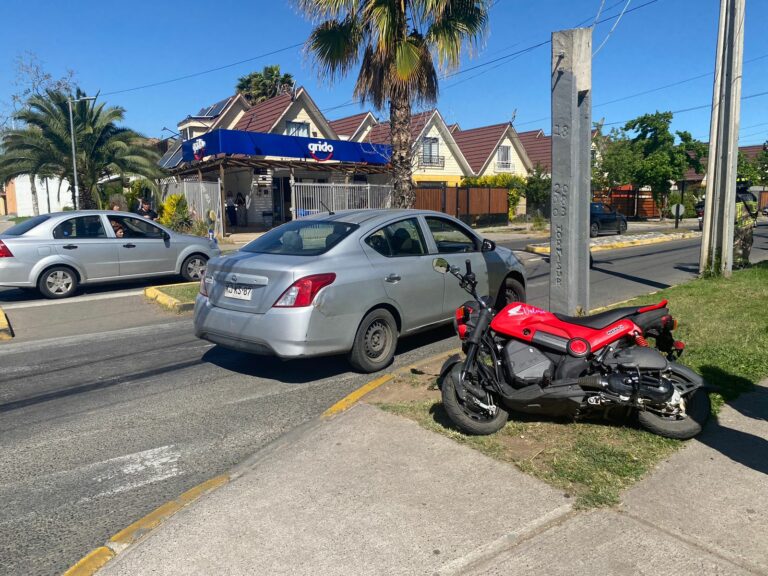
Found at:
(469, 266)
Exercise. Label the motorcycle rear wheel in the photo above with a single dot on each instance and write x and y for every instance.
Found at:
(697, 410)
(468, 419)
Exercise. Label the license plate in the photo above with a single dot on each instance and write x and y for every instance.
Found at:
(238, 291)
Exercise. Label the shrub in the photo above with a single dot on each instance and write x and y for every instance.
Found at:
(175, 213)
(690, 201)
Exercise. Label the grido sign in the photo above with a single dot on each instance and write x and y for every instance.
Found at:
(259, 144)
(323, 148)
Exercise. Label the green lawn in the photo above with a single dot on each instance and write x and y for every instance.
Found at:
(724, 323)
(182, 292)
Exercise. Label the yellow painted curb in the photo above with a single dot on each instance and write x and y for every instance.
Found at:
(349, 400)
(96, 559)
(174, 304)
(539, 249)
(91, 563)
(5, 328)
(159, 515)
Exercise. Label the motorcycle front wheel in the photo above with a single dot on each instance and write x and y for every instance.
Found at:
(468, 418)
(697, 408)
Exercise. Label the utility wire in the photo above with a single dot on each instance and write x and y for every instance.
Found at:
(599, 11)
(596, 52)
(193, 75)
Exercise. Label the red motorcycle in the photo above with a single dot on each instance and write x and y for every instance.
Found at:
(527, 359)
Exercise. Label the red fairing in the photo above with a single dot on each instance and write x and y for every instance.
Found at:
(653, 307)
(523, 321)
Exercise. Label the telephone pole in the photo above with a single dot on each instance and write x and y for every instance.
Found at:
(720, 202)
(571, 171)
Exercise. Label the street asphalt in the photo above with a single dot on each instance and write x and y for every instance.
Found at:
(100, 425)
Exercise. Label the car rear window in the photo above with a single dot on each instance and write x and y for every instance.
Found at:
(23, 227)
(301, 238)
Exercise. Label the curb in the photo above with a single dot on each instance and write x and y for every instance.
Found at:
(544, 249)
(155, 294)
(99, 557)
(6, 332)
(352, 398)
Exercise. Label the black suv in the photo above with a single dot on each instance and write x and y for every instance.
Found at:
(602, 218)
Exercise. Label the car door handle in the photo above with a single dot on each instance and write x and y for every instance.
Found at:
(70, 247)
(129, 245)
(392, 278)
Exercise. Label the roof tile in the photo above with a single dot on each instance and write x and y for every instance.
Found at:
(263, 115)
(477, 144)
(348, 125)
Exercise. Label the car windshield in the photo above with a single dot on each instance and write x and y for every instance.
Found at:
(23, 227)
(301, 238)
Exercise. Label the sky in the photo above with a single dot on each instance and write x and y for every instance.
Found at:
(115, 47)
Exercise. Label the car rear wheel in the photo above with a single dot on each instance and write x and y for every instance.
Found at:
(58, 282)
(193, 267)
(375, 342)
(594, 230)
(511, 291)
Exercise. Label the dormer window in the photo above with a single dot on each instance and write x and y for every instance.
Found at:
(504, 159)
(297, 129)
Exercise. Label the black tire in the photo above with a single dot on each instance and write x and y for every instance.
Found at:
(58, 282)
(193, 266)
(465, 418)
(698, 408)
(622, 227)
(511, 291)
(594, 230)
(375, 342)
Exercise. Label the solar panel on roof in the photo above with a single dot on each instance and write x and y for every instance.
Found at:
(172, 157)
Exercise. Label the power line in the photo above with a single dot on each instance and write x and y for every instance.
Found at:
(596, 52)
(194, 74)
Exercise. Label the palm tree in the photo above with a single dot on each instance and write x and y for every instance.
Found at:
(260, 86)
(395, 42)
(103, 148)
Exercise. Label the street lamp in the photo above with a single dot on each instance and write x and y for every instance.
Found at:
(71, 101)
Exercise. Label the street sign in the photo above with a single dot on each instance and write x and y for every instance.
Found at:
(678, 210)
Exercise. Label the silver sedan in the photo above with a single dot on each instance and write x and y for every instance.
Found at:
(348, 282)
(56, 253)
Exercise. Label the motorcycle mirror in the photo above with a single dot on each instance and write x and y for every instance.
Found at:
(440, 265)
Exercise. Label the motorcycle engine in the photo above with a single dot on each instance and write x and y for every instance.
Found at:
(525, 364)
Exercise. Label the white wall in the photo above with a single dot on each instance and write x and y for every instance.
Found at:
(24, 196)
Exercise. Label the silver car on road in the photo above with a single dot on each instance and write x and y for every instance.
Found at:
(56, 253)
(347, 282)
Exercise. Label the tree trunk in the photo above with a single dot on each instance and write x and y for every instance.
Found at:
(48, 195)
(87, 201)
(402, 156)
(33, 190)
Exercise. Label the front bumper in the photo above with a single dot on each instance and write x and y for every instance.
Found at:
(282, 332)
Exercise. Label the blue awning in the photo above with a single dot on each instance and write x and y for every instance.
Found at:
(232, 142)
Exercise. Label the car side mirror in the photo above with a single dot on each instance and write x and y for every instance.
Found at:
(488, 245)
(440, 265)
(166, 236)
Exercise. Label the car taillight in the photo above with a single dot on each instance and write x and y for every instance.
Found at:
(303, 291)
(5, 252)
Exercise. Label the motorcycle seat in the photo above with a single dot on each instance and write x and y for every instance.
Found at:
(601, 320)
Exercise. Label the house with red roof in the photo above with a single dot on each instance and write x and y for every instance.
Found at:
(494, 149)
(355, 127)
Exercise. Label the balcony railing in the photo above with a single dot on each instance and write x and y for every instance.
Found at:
(431, 161)
(504, 166)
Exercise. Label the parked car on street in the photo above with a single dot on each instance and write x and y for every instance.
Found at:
(603, 218)
(350, 282)
(56, 253)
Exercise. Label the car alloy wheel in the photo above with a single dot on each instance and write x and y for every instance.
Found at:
(60, 282)
(193, 267)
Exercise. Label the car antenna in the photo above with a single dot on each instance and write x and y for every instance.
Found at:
(330, 212)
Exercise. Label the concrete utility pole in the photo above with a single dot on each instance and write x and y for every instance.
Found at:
(571, 170)
(720, 202)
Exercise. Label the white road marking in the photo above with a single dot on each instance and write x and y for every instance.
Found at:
(89, 298)
(133, 471)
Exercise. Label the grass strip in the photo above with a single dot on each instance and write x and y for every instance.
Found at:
(184, 293)
(724, 323)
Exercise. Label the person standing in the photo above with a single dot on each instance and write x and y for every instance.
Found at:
(242, 210)
(146, 211)
(231, 210)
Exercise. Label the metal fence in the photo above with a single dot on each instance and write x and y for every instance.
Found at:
(202, 198)
(310, 198)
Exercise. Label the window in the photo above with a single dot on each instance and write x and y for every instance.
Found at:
(450, 237)
(81, 227)
(23, 227)
(430, 148)
(135, 227)
(399, 239)
(504, 158)
(301, 238)
(297, 129)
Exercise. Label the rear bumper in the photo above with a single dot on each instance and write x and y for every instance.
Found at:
(286, 333)
(14, 272)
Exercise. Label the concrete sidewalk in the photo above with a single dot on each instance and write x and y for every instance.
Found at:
(367, 492)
